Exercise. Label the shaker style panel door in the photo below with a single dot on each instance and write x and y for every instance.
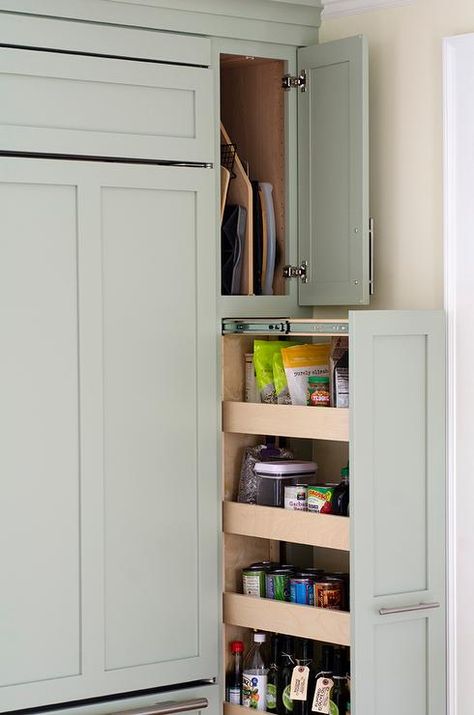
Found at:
(102, 107)
(333, 173)
(109, 417)
(159, 407)
(40, 595)
(398, 513)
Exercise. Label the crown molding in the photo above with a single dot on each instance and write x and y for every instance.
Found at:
(288, 22)
(339, 8)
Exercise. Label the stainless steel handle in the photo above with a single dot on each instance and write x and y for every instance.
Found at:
(407, 609)
(169, 707)
(371, 256)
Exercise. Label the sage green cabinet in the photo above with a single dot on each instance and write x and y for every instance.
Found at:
(108, 416)
(313, 148)
(104, 107)
(398, 512)
(333, 191)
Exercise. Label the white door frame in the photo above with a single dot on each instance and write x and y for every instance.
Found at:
(458, 58)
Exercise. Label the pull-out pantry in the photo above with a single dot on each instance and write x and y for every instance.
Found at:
(391, 542)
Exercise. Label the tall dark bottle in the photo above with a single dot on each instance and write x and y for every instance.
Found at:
(340, 695)
(323, 681)
(233, 681)
(285, 671)
(304, 657)
(340, 497)
(273, 668)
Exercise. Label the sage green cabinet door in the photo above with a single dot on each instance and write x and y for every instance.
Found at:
(109, 415)
(102, 107)
(333, 234)
(40, 598)
(398, 494)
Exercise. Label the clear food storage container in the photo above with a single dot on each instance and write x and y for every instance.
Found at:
(273, 477)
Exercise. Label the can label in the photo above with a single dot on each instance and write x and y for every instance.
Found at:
(233, 696)
(286, 697)
(296, 498)
(302, 591)
(277, 586)
(254, 691)
(253, 583)
(271, 696)
(328, 595)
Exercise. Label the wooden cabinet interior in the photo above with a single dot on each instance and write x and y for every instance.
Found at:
(253, 533)
(253, 117)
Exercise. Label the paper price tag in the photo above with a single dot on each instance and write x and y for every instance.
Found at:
(321, 695)
(299, 682)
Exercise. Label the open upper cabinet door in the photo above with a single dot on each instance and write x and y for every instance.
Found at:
(333, 173)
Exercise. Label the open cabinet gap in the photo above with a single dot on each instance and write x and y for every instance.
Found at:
(253, 121)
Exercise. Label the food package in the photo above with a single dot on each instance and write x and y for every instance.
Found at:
(264, 352)
(339, 371)
(247, 491)
(300, 362)
(280, 381)
(319, 499)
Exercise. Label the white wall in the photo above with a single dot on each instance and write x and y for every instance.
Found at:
(405, 45)
(407, 200)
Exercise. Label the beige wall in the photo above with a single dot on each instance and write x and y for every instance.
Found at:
(406, 130)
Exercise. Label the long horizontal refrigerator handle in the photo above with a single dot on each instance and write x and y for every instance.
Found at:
(408, 609)
(168, 708)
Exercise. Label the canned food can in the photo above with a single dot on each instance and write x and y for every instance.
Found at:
(302, 590)
(266, 565)
(296, 497)
(253, 581)
(329, 593)
(313, 573)
(277, 585)
(344, 577)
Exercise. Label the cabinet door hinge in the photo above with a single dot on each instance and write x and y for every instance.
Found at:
(289, 81)
(300, 271)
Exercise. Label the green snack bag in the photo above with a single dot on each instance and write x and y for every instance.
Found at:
(279, 379)
(263, 352)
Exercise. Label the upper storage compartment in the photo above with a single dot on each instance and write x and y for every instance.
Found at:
(105, 106)
(294, 179)
(253, 184)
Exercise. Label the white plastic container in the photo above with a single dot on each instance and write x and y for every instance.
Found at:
(273, 477)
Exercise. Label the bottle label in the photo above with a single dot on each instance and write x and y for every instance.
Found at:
(299, 682)
(321, 702)
(271, 696)
(233, 696)
(287, 701)
(254, 691)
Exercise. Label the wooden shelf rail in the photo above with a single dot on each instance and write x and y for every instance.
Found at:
(280, 617)
(327, 423)
(298, 527)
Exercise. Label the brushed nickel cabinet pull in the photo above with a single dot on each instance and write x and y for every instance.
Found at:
(171, 707)
(407, 609)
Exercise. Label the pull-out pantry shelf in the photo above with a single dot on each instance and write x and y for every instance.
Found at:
(231, 709)
(286, 420)
(298, 527)
(265, 614)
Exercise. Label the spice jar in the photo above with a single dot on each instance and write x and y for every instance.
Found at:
(318, 391)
